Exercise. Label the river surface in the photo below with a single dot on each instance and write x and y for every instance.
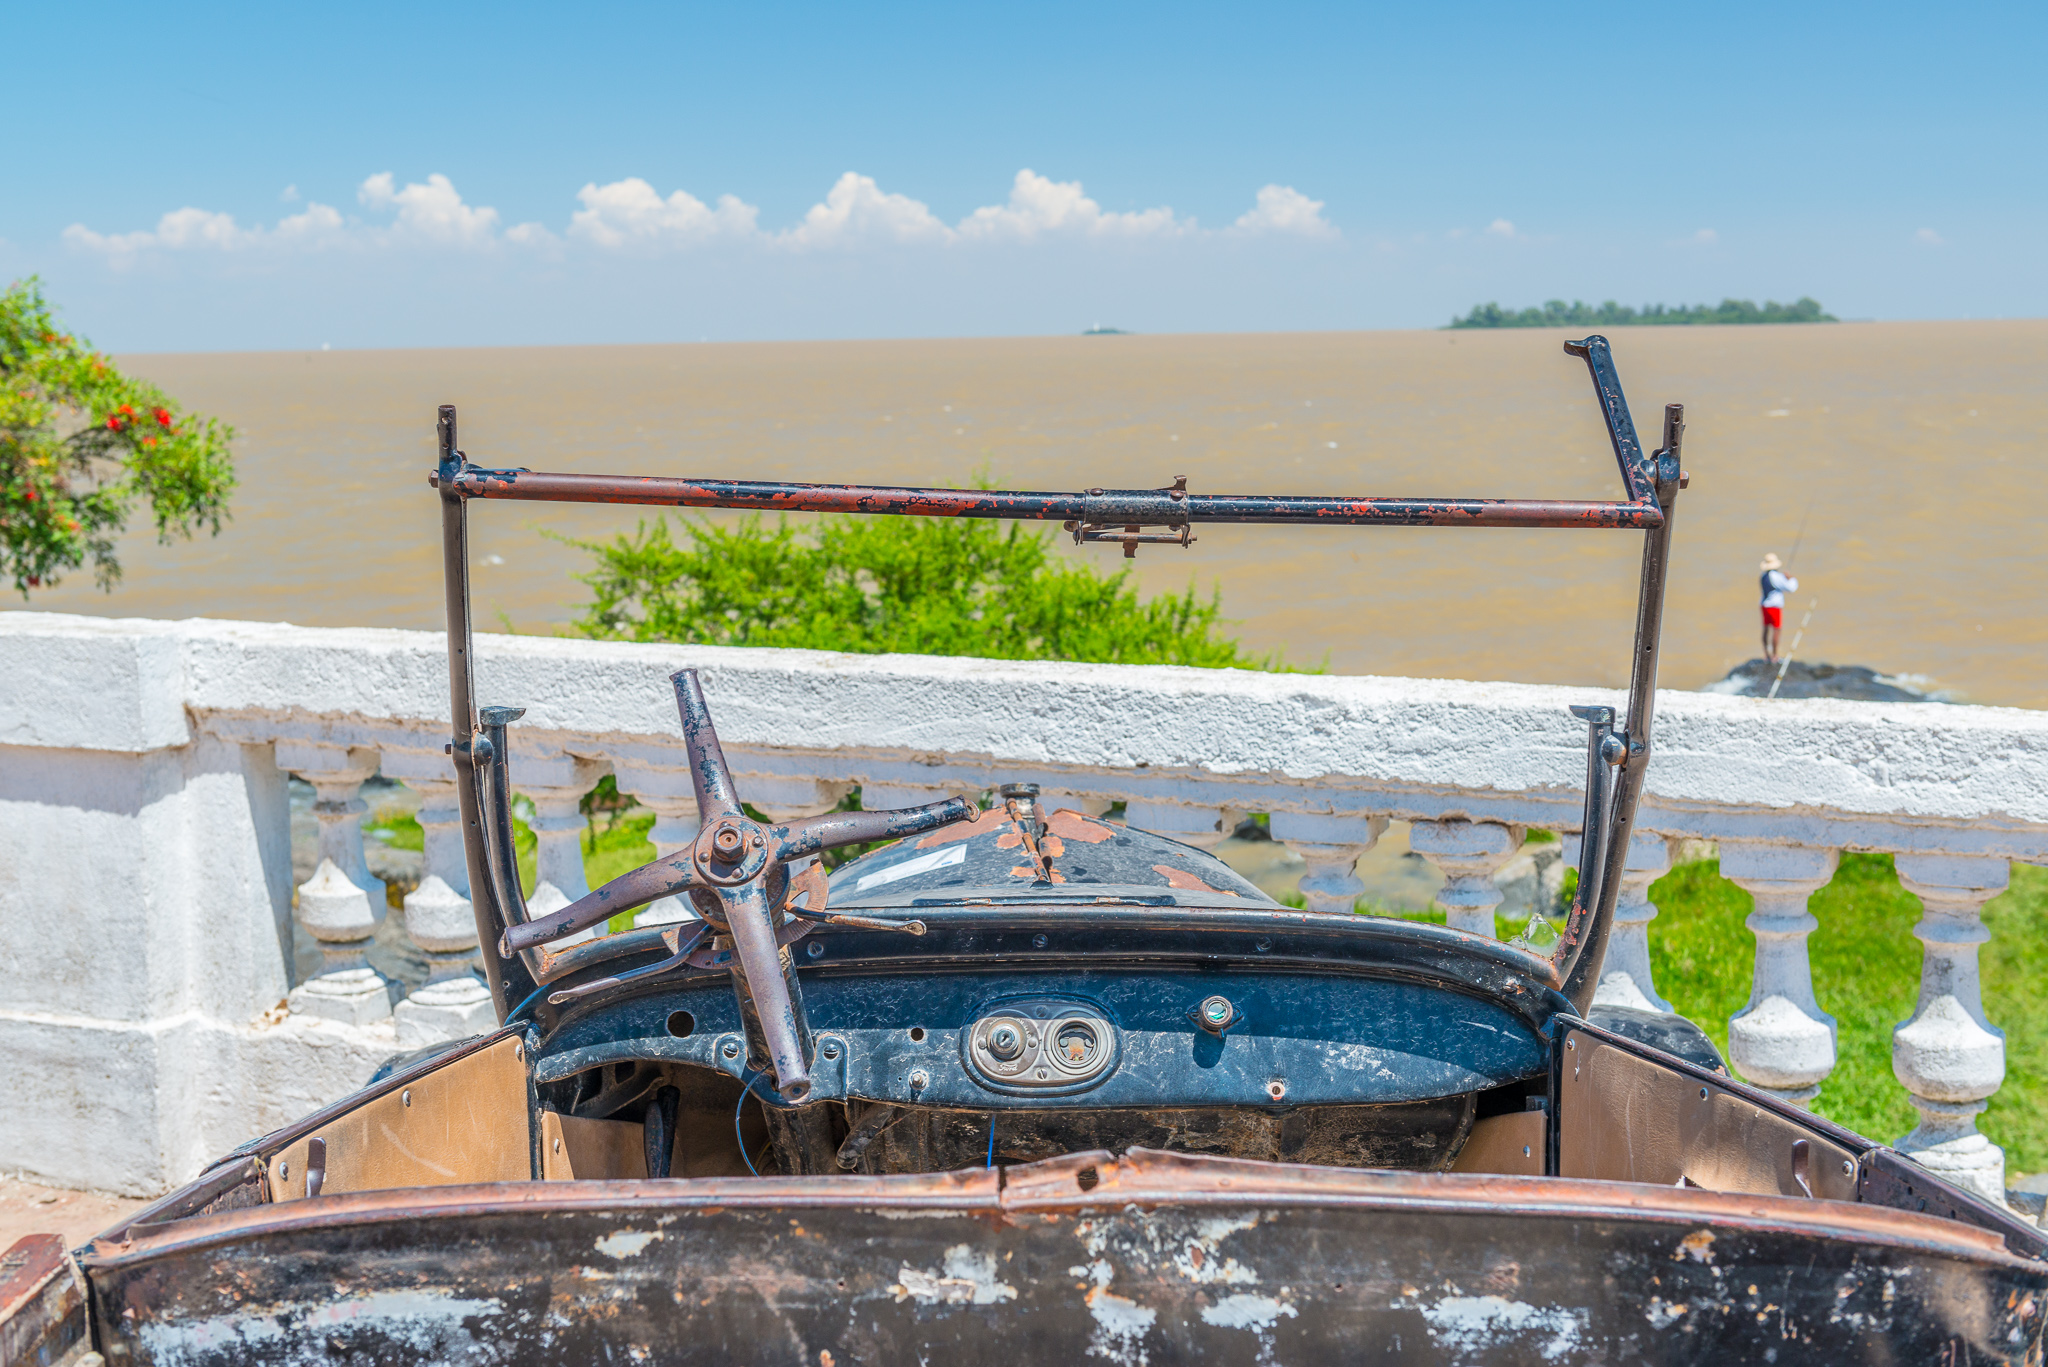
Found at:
(1913, 454)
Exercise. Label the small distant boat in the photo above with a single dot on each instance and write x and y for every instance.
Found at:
(1098, 330)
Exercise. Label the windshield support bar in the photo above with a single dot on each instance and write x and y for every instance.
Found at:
(1122, 507)
(1581, 976)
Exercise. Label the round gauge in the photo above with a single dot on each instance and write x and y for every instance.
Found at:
(1076, 1045)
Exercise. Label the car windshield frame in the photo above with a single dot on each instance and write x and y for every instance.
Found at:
(1618, 747)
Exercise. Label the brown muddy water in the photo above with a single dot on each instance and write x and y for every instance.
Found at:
(1912, 452)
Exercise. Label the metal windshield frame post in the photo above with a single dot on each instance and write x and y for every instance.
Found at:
(510, 982)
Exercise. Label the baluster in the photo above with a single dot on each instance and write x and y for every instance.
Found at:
(453, 1003)
(782, 798)
(1087, 804)
(1948, 1055)
(667, 793)
(341, 905)
(337, 774)
(1467, 853)
(1331, 847)
(1625, 977)
(1203, 827)
(557, 784)
(1782, 1041)
(879, 797)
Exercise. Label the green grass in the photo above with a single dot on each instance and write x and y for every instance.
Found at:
(1866, 973)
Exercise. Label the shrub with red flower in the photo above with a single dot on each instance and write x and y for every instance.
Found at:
(73, 465)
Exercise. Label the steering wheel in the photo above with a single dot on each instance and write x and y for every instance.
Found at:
(728, 871)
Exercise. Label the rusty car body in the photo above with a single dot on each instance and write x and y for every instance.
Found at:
(1034, 1084)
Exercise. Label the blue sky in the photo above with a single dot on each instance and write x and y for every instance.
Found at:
(255, 177)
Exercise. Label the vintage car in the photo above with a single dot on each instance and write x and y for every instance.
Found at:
(1037, 1084)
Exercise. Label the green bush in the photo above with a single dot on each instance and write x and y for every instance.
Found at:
(874, 585)
(80, 443)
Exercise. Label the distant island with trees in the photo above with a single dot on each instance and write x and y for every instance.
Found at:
(1556, 313)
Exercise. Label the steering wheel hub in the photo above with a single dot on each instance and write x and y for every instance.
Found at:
(730, 851)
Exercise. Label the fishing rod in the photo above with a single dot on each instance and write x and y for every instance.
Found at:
(1797, 637)
(1799, 536)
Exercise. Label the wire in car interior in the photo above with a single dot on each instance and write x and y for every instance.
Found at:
(736, 1133)
(991, 1140)
(520, 1009)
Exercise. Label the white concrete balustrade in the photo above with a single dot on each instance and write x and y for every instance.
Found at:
(147, 899)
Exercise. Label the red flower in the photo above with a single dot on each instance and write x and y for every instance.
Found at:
(163, 416)
(149, 441)
(30, 496)
(129, 409)
(113, 422)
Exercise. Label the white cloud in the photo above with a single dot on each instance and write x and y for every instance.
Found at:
(1039, 206)
(191, 229)
(433, 211)
(1706, 237)
(857, 211)
(1501, 227)
(1284, 209)
(631, 210)
(290, 195)
(1927, 237)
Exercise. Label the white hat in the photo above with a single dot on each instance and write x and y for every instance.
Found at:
(1771, 561)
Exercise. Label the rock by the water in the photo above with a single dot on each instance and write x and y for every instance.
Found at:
(1753, 678)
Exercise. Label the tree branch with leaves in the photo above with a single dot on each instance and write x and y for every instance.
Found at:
(81, 444)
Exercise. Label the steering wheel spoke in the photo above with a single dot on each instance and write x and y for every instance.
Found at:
(815, 834)
(751, 922)
(636, 888)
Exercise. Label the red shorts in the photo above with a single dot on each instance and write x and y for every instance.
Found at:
(1774, 617)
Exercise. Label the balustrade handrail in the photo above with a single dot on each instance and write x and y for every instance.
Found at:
(1881, 776)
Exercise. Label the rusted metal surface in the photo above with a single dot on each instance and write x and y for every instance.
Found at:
(1151, 1258)
(42, 1303)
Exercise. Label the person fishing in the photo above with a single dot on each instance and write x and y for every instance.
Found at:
(1776, 584)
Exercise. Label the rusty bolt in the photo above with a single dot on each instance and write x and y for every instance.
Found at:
(726, 840)
(756, 841)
